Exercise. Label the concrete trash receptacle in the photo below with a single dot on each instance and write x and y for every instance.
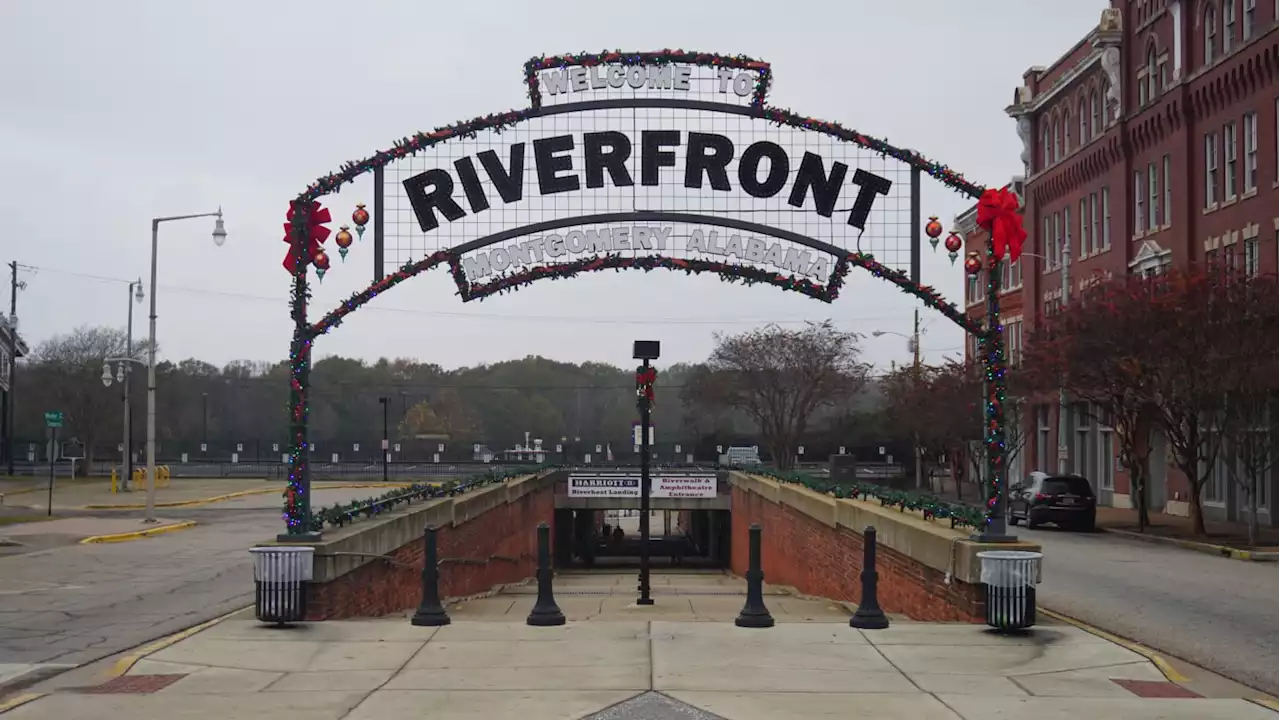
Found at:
(1009, 578)
(281, 575)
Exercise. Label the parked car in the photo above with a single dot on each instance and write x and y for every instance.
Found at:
(1064, 500)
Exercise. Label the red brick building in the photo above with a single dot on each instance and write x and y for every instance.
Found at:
(1151, 143)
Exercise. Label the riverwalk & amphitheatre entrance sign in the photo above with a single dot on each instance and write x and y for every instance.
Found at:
(667, 160)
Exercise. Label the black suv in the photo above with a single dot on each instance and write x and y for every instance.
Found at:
(1064, 500)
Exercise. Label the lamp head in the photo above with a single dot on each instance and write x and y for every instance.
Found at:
(877, 333)
(139, 295)
(106, 374)
(219, 231)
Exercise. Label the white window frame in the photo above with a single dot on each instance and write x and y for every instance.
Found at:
(1252, 256)
(1210, 19)
(1056, 250)
(1167, 164)
(1230, 153)
(1228, 25)
(1250, 151)
(1084, 122)
(1064, 250)
(1057, 140)
(1250, 18)
(1095, 114)
(1152, 90)
(1106, 218)
(1084, 226)
(1106, 465)
(1094, 239)
(1211, 170)
(1048, 147)
(1153, 197)
(1048, 243)
(1042, 438)
(1139, 203)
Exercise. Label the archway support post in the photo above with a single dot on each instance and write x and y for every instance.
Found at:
(298, 519)
(991, 341)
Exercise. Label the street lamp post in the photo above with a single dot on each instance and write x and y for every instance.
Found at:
(219, 237)
(126, 459)
(204, 423)
(644, 350)
(386, 446)
(914, 341)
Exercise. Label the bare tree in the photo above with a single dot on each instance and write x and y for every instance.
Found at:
(780, 377)
(1100, 350)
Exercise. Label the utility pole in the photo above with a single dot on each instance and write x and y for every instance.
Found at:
(13, 361)
(1062, 390)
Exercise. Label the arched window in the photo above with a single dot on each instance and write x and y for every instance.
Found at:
(1210, 34)
(1153, 77)
(1228, 25)
(1084, 121)
(1095, 113)
(1047, 148)
(1066, 132)
(1104, 103)
(1057, 140)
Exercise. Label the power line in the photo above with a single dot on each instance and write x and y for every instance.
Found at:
(480, 315)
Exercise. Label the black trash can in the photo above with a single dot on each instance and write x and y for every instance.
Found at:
(281, 575)
(1009, 578)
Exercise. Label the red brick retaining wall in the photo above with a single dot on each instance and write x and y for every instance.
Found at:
(818, 559)
(499, 542)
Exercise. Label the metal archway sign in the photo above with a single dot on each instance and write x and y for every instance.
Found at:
(670, 160)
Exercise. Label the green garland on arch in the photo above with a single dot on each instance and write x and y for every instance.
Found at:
(652, 57)
(932, 508)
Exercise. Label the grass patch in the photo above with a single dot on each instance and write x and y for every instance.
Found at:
(19, 519)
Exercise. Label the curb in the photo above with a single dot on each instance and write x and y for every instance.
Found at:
(138, 534)
(18, 701)
(238, 494)
(126, 663)
(1266, 702)
(183, 503)
(1161, 664)
(1202, 547)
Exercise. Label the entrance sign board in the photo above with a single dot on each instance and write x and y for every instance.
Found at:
(665, 160)
(627, 485)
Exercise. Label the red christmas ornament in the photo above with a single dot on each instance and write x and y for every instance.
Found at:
(934, 228)
(361, 218)
(344, 240)
(972, 264)
(953, 242)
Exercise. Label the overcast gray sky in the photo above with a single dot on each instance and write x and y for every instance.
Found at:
(115, 113)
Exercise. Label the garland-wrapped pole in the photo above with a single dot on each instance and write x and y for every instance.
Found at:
(297, 516)
(998, 214)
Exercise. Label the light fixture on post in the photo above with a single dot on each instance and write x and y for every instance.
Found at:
(219, 237)
(644, 351)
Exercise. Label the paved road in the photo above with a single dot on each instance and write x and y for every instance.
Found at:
(1214, 612)
(73, 604)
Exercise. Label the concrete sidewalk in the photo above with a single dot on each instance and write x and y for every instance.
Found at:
(682, 657)
(181, 492)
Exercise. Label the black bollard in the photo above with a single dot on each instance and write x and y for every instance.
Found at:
(545, 612)
(430, 612)
(754, 614)
(869, 615)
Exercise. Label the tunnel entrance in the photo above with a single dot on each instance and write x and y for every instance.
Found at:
(609, 539)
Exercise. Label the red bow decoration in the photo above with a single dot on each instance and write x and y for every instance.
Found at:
(645, 378)
(316, 218)
(998, 214)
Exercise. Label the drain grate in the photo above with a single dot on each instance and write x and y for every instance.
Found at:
(133, 684)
